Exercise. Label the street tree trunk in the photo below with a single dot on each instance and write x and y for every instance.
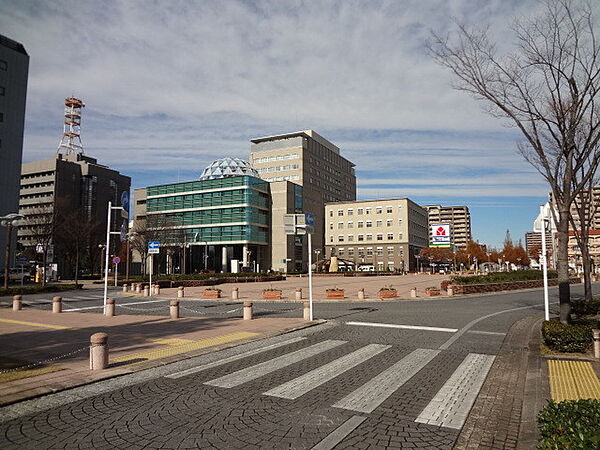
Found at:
(564, 289)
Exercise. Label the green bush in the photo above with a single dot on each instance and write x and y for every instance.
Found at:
(37, 289)
(570, 425)
(503, 277)
(570, 338)
(583, 308)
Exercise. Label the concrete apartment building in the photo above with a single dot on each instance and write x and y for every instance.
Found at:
(14, 70)
(308, 160)
(386, 234)
(459, 219)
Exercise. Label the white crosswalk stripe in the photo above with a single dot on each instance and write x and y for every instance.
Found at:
(251, 373)
(309, 381)
(451, 405)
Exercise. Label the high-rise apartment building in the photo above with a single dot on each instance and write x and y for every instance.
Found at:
(14, 70)
(459, 219)
(306, 159)
(386, 234)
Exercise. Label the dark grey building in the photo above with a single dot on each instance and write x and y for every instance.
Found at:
(14, 69)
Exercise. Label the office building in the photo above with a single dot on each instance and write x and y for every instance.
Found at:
(459, 219)
(386, 234)
(14, 70)
(306, 159)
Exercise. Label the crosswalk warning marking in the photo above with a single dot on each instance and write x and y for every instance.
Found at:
(572, 380)
(223, 361)
(315, 378)
(251, 373)
(452, 403)
(373, 393)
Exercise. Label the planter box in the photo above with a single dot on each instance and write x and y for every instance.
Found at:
(388, 293)
(209, 293)
(334, 294)
(432, 292)
(271, 295)
(509, 286)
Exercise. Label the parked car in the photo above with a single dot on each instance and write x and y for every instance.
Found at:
(15, 276)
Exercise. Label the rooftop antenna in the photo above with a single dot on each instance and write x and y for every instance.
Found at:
(71, 138)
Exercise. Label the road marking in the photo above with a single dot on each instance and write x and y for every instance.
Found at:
(486, 333)
(315, 378)
(259, 370)
(572, 380)
(373, 393)
(452, 403)
(338, 435)
(407, 327)
(35, 324)
(117, 304)
(223, 361)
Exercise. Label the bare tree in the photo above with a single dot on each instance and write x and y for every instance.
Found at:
(39, 225)
(548, 89)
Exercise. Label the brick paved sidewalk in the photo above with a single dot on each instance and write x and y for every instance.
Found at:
(135, 342)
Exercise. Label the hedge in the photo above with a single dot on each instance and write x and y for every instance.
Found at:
(503, 277)
(568, 338)
(37, 289)
(571, 424)
(583, 308)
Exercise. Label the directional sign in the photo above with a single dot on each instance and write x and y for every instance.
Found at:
(309, 219)
(125, 204)
(116, 260)
(153, 248)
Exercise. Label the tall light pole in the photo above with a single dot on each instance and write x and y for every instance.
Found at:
(318, 252)
(8, 221)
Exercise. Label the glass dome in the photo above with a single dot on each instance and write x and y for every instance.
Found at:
(228, 167)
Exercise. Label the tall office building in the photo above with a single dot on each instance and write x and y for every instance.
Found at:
(459, 219)
(308, 160)
(14, 70)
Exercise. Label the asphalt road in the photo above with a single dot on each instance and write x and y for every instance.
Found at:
(398, 374)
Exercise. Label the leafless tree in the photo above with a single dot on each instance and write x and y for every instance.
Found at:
(548, 89)
(39, 225)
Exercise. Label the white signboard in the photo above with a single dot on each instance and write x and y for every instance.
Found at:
(440, 235)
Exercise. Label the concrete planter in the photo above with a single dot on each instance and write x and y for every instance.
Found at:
(211, 293)
(338, 293)
(432, 292)
(508, 286)
(271, 295)
(388, 293)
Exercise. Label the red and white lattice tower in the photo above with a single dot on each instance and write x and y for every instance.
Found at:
(71, 138)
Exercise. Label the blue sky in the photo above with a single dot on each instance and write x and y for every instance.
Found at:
(170, 86)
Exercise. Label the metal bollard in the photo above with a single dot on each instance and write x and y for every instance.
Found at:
(110, 307)
(174, 309)
(56, 304)
(247, 310)
(306, 310)
(180, 292)
(450, 291)
(17, 303)
(146, 291)
(124, 287)
(298, 293)
(157, 289)
(361, 294)
(98, 351)
(413, 292)
(235, 294)
(596, 334)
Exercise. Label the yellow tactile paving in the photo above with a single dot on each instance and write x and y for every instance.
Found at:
(171, 350)
(26, 373)
(572, 380)
(172, 341)
(35, 324)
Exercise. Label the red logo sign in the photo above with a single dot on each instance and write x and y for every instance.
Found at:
(441, 231)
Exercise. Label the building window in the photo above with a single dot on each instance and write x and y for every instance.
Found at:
(340, 212)
(350, 224)
(350, 238)
(340, 225)
(379, 251)
(330, 238)
(360, 224)
(361, 251)
(400, 235)
(331, 213)
(389, 222)
(331, 226)
(2, 91)
(369, 251)
(369, 237)
(340, 238)
(389, 209)
(1, 117)
(361, 237)
(350, 252)
(367, 210)
(350, 212)
(341, 252)
(359, 211)
(380, 236)
(379, 210)
(379, 223)
(390, 251)
(390, 236)
(369, 224)
(3, 65)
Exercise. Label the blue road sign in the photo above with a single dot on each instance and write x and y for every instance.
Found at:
(309, 220)
(153, 247)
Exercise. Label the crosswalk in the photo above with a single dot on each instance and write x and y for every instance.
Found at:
(448, 407)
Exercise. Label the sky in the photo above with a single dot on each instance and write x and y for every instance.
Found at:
(170, 86)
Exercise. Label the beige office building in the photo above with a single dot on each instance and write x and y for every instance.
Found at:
(305, 159)
(459, 219)
(386, 234)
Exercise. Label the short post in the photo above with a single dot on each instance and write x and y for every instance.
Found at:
(124, 287)
(17, 303)
(174, 309)
(138, 288)
(180, 292)
(450, 291)
(298, 293)
(157, 289)
(306, 310)
(56, 304)
(98, 351)
(582, 279)
(235, 293)
(146, 291)
(110, 307)
(596, 337)
(413, 292)
(361, 294)
(247, 310)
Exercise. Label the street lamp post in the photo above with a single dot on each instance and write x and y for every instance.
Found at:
(318, 252)
(418, 258)
(8, 221)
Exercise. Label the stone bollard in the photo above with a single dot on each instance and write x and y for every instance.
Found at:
(146, 291)
(582, 279)
(124, 287)
(306, 310)
(138, 288)
(110, 307)
(413, 292)
(157, 289)
(17, 303)
(247, 310)
(596, 334)
(235, 293)
(180, 292)
(56, 304)
(450, 291)
(98, 351)
(361, 294)
(174, 309)
(298, 293)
